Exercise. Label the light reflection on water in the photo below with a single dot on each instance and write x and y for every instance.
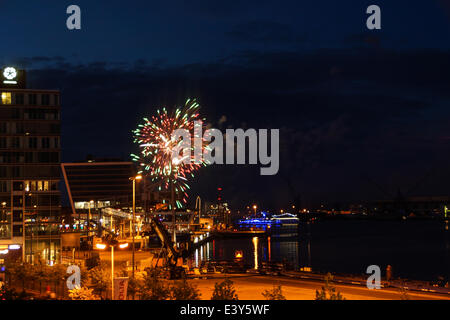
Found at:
(415, 249)
(255, 250)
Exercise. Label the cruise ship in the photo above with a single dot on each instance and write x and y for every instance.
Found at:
(285, 221)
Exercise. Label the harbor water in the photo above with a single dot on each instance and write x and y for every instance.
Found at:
(415, 249)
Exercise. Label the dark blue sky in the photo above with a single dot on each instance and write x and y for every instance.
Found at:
(180, 32)
(356, 107)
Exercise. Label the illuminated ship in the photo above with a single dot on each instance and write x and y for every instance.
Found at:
(281, 221)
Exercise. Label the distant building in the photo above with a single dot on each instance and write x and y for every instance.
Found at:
(106, 182)
(415, 206)
(29, 167)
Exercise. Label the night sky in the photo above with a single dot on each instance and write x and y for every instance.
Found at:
(362, 114)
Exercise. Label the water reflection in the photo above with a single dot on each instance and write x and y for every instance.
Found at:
(255, 252)
(196, 258)
(416, 249)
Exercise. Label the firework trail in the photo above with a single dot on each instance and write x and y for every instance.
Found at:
(156, 144)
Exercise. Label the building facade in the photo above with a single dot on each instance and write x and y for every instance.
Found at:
(29, 168)
(98, 183)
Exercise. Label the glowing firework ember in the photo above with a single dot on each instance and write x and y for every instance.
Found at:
(157, 144)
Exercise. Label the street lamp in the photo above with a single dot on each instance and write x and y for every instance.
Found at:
(254, 207)
(111, 244)
(89, 217)
(199, 201)
(138, 177)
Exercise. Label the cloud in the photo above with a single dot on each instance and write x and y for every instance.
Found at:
(263, 31)
(383, 112)
(364, 39)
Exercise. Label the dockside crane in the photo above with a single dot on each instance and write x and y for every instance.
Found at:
(169, 252)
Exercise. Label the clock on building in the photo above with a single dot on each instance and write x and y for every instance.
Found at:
(9, 73)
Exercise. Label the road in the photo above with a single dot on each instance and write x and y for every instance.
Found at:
(250, 287)
(124, 255)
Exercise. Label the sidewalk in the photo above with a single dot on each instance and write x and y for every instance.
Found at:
(412, 285)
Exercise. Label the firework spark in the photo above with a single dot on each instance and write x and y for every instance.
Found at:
(156, 144)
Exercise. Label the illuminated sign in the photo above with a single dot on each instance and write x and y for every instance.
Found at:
(10, 75)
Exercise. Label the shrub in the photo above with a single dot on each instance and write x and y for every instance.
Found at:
(182, 290)
(328, 292)
(274, 294)
(152, 288)
(100, 278)
(82, 293)
(224, 291)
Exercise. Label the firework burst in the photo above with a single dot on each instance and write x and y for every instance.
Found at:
(156, 145)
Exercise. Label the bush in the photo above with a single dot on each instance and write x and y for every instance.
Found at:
(99, 278)
(182, 290)
(41, 274)
(151, 288)
(20, 272)
(274, 294)
(328, 292)
(224, 291)
(404, 292)
(82, 293)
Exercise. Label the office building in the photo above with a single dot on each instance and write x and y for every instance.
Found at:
(29, 168)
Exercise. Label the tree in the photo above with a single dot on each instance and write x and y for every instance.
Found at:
(57, 274)
(182, 290)
(82, 293)
(328, 292)
(224, 291)
(274, 294)
(41, 274)
(134, 284)
(11, 294)
(153, 288)
(20, 271)
(100, 278)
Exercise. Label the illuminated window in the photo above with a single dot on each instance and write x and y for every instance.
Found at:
(40, 187)
(6, 98)
(45, 185)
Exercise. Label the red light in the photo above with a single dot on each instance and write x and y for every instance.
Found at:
(220, 189)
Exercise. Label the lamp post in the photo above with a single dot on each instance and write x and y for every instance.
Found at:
(138, 177)
(254, 207)
(89, 217)
(111, 244)
(174, 216)
(199, 201)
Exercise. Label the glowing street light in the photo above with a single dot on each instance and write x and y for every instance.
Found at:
(112, 244)
(123, 245)
(89, 216)
(254, 207)
(100, 246)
